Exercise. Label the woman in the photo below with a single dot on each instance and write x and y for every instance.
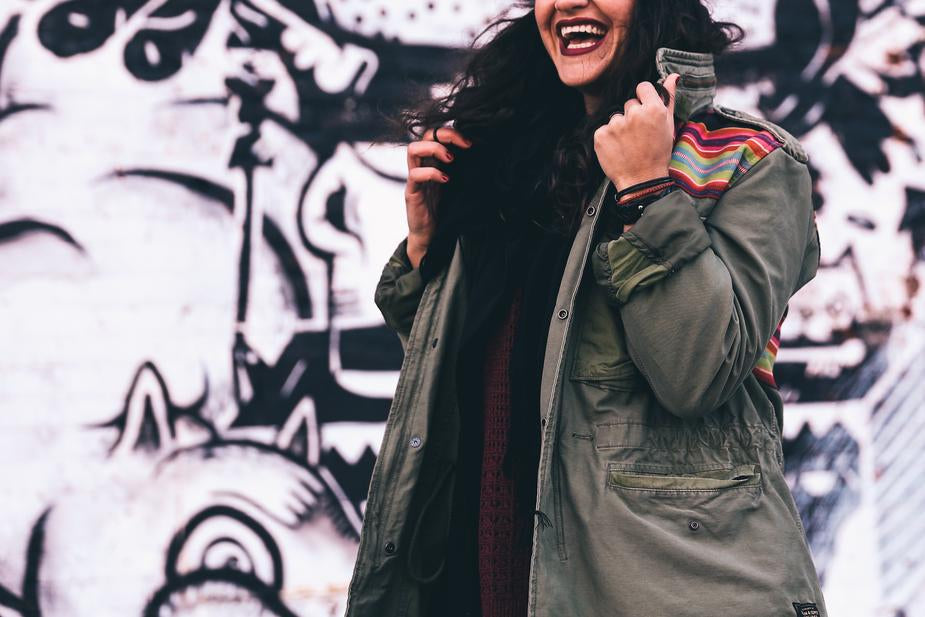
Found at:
(597, 263)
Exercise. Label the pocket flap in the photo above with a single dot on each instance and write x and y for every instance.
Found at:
(710, 479)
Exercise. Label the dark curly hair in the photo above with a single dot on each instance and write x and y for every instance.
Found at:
(533, 153)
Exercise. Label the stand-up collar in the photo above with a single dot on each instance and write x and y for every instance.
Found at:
(697, 85)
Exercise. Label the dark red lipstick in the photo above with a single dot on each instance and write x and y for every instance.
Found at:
(595, 40)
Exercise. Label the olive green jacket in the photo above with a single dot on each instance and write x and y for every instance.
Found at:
(661, 467)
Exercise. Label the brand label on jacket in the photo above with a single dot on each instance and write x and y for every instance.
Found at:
(806, 609)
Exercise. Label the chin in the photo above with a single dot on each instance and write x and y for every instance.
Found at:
(582, 80)
(583, 72)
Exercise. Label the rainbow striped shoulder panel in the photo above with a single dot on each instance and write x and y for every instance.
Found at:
(711, 153)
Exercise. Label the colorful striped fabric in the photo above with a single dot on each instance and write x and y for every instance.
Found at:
(711, 152)
(764, 369)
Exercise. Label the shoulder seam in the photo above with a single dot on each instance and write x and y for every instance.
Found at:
(757, 163)
(788, 142)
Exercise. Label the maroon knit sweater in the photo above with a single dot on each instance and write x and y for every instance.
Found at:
(504, 565)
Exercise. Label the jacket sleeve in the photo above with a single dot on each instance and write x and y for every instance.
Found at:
(700, 299)
(399, 292)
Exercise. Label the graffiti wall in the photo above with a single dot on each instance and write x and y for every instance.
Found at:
(194, 213)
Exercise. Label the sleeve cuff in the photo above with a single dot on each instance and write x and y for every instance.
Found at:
(669, 234)
(409, 284)
(670, 231)
(410, 279)
(399, 291)
(620, 268)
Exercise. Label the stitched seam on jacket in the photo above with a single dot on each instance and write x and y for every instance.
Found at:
(649, 251)
(606, 270)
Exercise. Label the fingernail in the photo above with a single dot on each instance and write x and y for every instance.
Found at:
(449, 156)
(445, 178)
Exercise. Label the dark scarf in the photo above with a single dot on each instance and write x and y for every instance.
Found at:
(500, 260)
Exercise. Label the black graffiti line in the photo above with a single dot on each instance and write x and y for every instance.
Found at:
(268, 597)
(9, 32)
(330, 488)
(28, 604)
(16, 229)
(17, 108)
(36, 550)
(324, 154)
(174, 411)
(204, 100)
(244, 257)
(213, 191)
(292, 269)
(272, 233)
(219, 442)
(165, 30)
(179, 539)
(231, 495)
(173, 45)
(64, 36)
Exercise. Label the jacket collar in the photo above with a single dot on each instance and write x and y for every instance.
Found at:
(697, 86)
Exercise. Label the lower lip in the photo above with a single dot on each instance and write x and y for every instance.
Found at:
(565, 51)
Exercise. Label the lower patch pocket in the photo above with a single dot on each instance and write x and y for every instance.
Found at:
(701, 481)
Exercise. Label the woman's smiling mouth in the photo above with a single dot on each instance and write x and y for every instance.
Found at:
(580, 35)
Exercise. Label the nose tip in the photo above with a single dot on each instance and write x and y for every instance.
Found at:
(565, 5)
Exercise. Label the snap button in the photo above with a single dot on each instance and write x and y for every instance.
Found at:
(562, 314)
(390, 548)
(591, 210)
(543, 422)
(415, 442)
(694, 525)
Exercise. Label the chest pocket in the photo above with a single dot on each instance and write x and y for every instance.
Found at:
(601, 358)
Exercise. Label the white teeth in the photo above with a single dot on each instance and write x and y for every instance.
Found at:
(573, 45)
(567, 31)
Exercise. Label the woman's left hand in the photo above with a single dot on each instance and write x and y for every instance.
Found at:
(636, 146)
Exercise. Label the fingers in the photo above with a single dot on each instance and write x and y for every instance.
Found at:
(663, 93)
(671, 85)
(446, 135)
(654, 95)
(420, 176)
(660, 93)
(421, 171)
(427, 146)
(647, 94)
(417, 150)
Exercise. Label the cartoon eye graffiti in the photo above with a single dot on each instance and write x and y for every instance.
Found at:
(171, 31)
(222, 538)
(80, 26)
(222, 562)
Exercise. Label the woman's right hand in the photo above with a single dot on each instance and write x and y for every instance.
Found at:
(423, 189)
